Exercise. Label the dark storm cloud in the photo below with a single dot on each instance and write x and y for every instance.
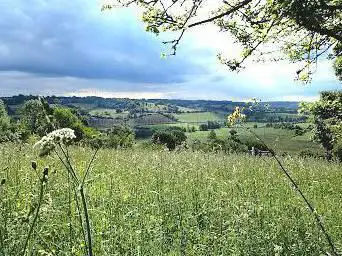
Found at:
(68, 47)
(72, 38)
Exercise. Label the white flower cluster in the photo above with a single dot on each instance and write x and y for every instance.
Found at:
(49, 142)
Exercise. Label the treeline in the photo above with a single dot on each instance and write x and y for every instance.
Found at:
(140, 105)
(38, 118)
(290, 126)
(276, 117)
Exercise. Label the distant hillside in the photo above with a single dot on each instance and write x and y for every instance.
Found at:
(148, 105)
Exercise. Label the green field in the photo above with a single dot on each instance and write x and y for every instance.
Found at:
(107, 112)
(144, 202)
(281, 140)
(200, 117)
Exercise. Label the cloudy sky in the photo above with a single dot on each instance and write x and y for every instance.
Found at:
(65, 47)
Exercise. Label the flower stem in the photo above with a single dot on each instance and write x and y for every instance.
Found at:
(41, 193)
(305, 199)
(87, 222)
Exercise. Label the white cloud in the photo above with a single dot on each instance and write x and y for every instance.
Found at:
(113, 94)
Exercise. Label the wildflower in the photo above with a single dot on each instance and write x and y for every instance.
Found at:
(49, 142)
(236, 116)
(278, 249)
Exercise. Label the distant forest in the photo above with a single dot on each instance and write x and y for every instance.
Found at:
(136, 104)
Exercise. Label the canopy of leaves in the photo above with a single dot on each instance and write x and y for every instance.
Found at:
(327, 117)
(4, 118)
(35, 116)
(170, 137)
(298, 30)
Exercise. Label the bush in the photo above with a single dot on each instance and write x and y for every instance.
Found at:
(307, 153)
(203, 127)
(119, 136)
(213, 125)
(232, 132)
(212, 135)
(171, 137)
(338, 152)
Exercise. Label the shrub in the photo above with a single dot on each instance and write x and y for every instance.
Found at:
(203, 127)
(36, 116)
(171, 137)
(119, 136)
(213, 125)
(307, 153)
(232, 132)
(338, 152)
(212, 135)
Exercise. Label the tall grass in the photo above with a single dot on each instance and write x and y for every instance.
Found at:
(145, 202)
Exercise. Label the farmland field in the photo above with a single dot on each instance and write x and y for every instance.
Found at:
(144, 202)
(281, 140)
(107, 112)
(200, 117)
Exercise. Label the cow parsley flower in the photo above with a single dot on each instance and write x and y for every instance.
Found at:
(50, 141)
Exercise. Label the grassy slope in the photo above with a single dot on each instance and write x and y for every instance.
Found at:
(199, 117)
(107, 112)
(278, 139)
(159, 203)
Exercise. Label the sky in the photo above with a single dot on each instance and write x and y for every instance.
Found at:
(71, 48)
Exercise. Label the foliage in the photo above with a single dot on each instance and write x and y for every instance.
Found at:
(170, 137)
(300, 30)
(327, 118)
(338, 151)
(4, 118)
(10, 131)
(118, 137)
(212, 135)
(203, 127)
(35, 116)
(4, 123)
(338, 60)
(65, 118)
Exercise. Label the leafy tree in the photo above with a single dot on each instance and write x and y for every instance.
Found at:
(118, 137)
(327, 118)
(213, 125)
(324, 136)
(4, 118)
(35, 116)
(10, 131)
(5, 124)
(171, 137)
(212, 135)
(65, 118)
(299, 30)
(203, 127)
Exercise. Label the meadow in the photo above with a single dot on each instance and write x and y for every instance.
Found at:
(200, 117)
(156, 202)
(280, 140)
